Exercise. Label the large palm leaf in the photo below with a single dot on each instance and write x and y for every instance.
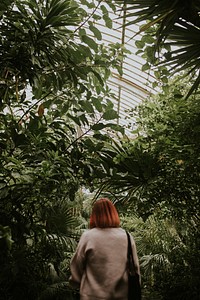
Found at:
(186, 54)
(166, 13)
(178, 22)
(130, 168)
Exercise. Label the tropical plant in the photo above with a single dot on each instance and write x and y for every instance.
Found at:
(155, 176)
(161, 153)
(177, 31)
(54, 102)
(166, 255)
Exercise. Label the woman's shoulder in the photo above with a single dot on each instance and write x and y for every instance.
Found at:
(103, 231)
(103, 236)
(99, 231)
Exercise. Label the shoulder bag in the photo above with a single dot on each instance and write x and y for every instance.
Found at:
(134, 288)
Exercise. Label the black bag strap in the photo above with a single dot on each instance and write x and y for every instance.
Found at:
(131, 264)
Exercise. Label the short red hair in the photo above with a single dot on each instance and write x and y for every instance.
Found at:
(104, 214)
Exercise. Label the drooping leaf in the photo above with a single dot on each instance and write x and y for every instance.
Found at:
(110, 114)
(90, 42)
(96, 31)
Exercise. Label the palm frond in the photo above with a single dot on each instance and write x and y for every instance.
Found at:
(185, 54)
(194, 86)
(148, 262)
(131, 169)
(177, 22)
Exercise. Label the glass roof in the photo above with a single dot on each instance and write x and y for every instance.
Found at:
(134, 85)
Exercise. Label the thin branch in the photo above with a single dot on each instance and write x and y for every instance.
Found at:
(88, 18)
(83, 134)
(27, 111)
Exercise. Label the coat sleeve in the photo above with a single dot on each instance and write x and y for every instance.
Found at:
(77, 263)
(135, 256)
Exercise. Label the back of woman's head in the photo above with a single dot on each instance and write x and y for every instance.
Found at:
(104, 214)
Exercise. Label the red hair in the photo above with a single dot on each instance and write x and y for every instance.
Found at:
(104, 214)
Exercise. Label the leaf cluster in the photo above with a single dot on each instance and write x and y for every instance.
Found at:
(54, 105)
(174, 26)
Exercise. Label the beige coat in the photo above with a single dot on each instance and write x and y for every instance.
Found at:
(99, 264)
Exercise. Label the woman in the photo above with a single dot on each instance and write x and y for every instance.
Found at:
(99, 265)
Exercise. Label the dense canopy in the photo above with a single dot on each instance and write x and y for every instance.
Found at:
(70, 132)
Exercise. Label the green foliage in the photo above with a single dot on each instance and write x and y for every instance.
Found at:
(161, 163)
(155, 176)
(168, 259)
(174, 26)
(54, 103)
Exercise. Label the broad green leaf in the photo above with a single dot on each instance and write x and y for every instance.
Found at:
(146, 67)
(98, 126)
(110, 115)
(87, 106)
(97, 103)
(98, 76)
(140, 44)
(104, 9)
(96, 17)
(96, 31)
(108, 21)
(85, 51)
(82, 32)
(90, 42)
(148, 39)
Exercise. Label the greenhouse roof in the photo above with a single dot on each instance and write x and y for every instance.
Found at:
(134, 85)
